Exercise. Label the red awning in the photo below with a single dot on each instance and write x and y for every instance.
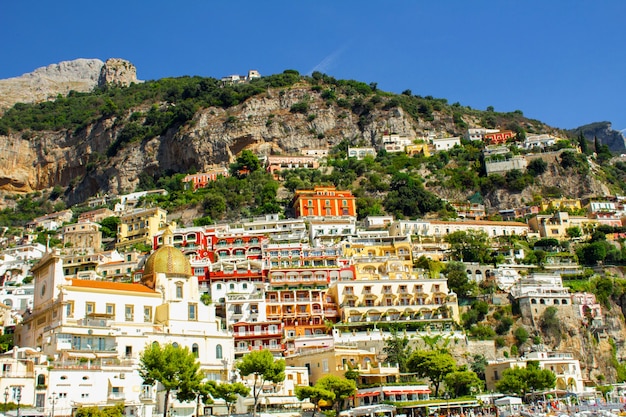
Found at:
(368, 394)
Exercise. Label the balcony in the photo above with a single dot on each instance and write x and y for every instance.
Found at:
(116, 396)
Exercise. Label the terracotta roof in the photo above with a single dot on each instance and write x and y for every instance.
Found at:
(108, 285)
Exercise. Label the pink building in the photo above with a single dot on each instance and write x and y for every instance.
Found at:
(586, 306)
(201, 180)
(281, 163)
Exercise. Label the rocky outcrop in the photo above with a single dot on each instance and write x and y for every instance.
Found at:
(81, 75)
(118, 72)
(48, 82)
(603, 131)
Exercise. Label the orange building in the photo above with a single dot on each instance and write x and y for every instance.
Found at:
(202, 179)
(324, 201)
(498, 137)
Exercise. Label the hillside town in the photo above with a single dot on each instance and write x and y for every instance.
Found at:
(321, 290)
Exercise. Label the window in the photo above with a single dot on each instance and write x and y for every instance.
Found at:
(218, 287)
(110, 309)
(195, 350)
(69, 309)
(147, 314)
(129, 312)
(218, 352)
(231, 286)
(179, 290)
(90, 307)
(193, 311)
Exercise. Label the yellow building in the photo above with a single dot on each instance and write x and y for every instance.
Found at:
(336, 360)
(139, 226)
(387, 290)
(82, 235)
(380, 247)
(556, 225)
(418, 148)
(561, 204)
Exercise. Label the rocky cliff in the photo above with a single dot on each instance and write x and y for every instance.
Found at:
(264, 123)
(80, 75)
(603, 131)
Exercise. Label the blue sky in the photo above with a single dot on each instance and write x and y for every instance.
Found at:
(560, 61)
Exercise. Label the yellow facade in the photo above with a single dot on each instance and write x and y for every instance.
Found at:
(561, 204)
(418, 148)
(388, 290)
(139, 227)
(339, 359)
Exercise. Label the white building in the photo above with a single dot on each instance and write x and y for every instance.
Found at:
(566, 369)
(539, 141)
(440, 228)
(479, 134)
(329, 230)
(104, 326)
(395, 143)
(444, 144)
(361, 153)
(275, 228)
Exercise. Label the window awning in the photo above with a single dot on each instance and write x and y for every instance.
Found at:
(86, 355)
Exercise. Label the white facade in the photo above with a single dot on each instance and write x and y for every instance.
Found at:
(330, 229)
(444, 144)
(360, 153)
(478, 134)
(438, 228)
(106, 325)
(539, 141)
(277, 229)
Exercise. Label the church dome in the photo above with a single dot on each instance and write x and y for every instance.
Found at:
(166, 260)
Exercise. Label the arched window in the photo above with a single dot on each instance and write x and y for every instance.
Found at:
(175, 344)
(218, 351)
(41, 379)
(194, 350)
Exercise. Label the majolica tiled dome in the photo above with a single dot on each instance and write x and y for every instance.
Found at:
(167, 260)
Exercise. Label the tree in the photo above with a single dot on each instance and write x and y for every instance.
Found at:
(470, 246)
(479, 365)
(521, 335)
(109, 226)
(315, 394)
(460, 383)
(112, 411)
(584, 145)
(524, 380)
(537, 166)
(458, 281)
(432, 364)
(264, 367)
(228, 392)
(592, 253)
(214, 206)
(573, 231)
(342, 388)
(247, 162)
(174, 367)
(397, 349)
